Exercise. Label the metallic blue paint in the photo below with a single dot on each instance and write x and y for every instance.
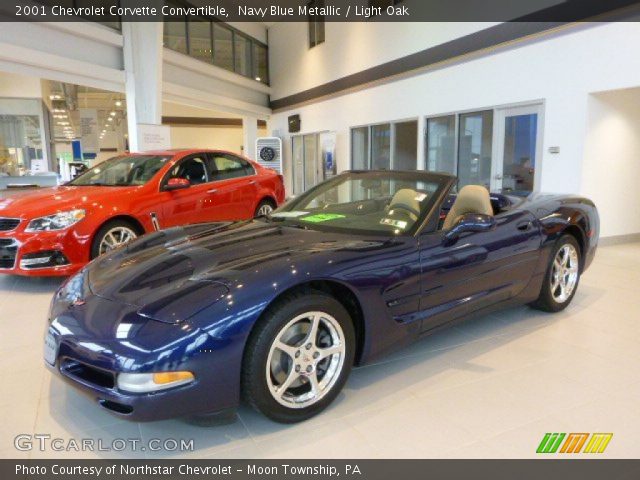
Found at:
(187, 298)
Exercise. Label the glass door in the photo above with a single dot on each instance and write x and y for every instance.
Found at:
(517, 139)
(307, 162)
(475, 148)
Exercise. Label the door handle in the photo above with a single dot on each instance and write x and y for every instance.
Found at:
(523, 227)
(212, 191)
(252, 182)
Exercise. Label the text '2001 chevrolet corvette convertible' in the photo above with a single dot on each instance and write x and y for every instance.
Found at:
(188, 321)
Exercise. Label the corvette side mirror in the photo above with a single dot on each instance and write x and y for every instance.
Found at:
(471, 222)
(177, 184)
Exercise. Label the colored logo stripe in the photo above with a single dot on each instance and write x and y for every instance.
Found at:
(598, 442)
(550, 443)
(574, 443)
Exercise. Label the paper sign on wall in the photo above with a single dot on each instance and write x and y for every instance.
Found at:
(153, 137)
(89, 130)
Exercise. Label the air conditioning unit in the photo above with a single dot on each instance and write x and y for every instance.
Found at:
(269, 153)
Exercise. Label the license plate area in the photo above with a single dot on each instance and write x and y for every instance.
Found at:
(50, 348)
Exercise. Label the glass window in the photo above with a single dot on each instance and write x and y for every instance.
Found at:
(405, 146)
(260, 63)
(441, 144)
(310, 160)
(316, 25)
(20, 143)
(242, 55)
(222, 46)
(520, 137)
(474, 148)
(360, 148)
(386, 203)
(200, 40)
(297, 148)
(192, 169)
(122, 171)
(223, 167)
(175, 36)
(381, 146)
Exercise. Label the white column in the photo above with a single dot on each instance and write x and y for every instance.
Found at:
(422, 126)
(249, 136)
(143, 75)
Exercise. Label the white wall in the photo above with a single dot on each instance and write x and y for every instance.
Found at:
(223, 138)
(612, 160)
(349, 47)
(560, 70)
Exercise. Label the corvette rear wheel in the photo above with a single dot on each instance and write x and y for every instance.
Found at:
(299, 357)
(111, 236)
(562, 277)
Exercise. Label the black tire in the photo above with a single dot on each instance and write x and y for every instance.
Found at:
(546, 300)
(106, 228)
(264, 203)
(255, 388)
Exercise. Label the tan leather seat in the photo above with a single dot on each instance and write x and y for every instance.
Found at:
(470, 199)
(406, 201)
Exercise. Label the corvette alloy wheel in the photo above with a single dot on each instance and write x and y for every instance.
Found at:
(305, 359)
(116, 237)
(564, 273)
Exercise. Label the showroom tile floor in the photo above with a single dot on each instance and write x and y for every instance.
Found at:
(488, 388)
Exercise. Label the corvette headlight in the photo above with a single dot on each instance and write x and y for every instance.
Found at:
(152, 382)
(57, 221)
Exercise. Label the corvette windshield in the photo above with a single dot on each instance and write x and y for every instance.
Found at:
(391, 203)
(122, 171)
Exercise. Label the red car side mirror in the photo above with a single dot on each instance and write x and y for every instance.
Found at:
(177, 184)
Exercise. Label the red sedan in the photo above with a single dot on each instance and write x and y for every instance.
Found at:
(55, 231)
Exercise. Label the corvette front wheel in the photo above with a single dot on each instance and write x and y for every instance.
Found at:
(299, 357)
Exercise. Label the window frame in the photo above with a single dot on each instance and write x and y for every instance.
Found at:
(246, 165)
(392, 139)
(167, 175)
(312, 25)
(251, 42)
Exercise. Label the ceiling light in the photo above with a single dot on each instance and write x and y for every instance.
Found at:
(118, 103)
(55, 97)
(63, 123)
(113, 114)
(110, 119)
(104, 131)
(258, 79)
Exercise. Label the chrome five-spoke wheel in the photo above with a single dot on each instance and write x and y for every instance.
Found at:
(564, 273)
(299, 355)
(116, 237)
(305, 360)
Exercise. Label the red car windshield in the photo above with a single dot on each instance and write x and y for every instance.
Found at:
(125, 171)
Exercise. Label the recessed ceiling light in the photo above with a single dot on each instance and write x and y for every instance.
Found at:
(110, 119)
(258, 79)
(118, 103)
(113, 114)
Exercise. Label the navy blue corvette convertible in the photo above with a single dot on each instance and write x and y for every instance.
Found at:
(188, 321)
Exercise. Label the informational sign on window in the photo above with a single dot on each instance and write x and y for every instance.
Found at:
(89, 130)
(328, 152)
(153, 137)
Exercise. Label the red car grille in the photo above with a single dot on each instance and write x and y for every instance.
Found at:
(7, 224)
(8, 252)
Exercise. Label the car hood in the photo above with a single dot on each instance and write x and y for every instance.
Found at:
(187, 269)
(46, 201)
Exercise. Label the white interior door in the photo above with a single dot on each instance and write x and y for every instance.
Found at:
(517, 147)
